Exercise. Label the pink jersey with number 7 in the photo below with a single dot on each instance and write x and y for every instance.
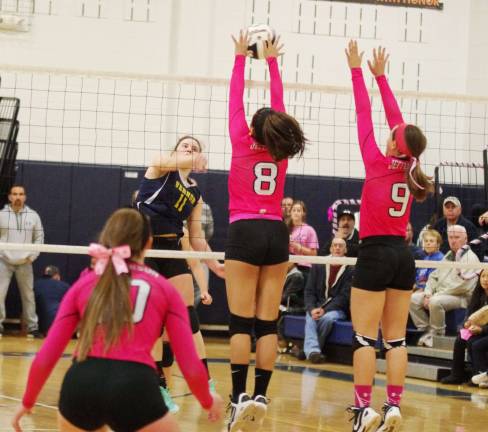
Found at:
(386, 200)
(256, 181)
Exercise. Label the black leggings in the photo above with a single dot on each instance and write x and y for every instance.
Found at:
(477, 347)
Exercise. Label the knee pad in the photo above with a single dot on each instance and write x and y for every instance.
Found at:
(168, 358)
(194, 321)
(240, 325)
(263, 328)
(360, 341)
(393, 343)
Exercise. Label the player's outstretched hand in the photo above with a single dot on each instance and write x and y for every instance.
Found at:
(354, 58)
(206, 298)
(19, 413)
(273, 49)
(380, 59)
(216, 411)
(242, 43)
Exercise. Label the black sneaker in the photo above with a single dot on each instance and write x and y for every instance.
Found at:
(1, 333)
(241, 413)
(316, 358)
(364, 419)
(452, 379)
(34, 334)
(392, 418)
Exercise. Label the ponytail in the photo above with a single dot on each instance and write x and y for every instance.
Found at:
(108, 312)
(419, 184)
(417, 178)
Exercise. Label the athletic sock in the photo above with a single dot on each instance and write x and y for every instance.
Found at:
(239, 378)
(362, 395)
(261, 381)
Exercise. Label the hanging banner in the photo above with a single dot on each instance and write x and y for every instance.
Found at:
(425, 4)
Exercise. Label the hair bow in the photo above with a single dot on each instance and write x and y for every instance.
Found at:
(118, 255)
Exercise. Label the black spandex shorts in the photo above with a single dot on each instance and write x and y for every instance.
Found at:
(258, 242)
(121, 394)
(384, 262)
(168, 267)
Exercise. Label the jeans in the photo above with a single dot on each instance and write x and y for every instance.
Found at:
(25, 282)
(317, 331)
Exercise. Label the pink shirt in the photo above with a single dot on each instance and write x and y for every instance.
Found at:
(157, 304)
(256, 181)
(306, 236)
(386, 200)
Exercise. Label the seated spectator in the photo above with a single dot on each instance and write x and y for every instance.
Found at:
(286, 204)
(346, 229)
(452, 210)
(417, 252)
(471, 337)
(303, 238)
(431, 245)
(49, 290)
(327, 295)
(445, 290)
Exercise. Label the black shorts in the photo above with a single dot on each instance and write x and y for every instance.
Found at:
(384, 262)
(121, 394)
(168, 267)
(258, 242)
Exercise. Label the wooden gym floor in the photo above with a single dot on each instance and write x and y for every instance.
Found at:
(303, 397)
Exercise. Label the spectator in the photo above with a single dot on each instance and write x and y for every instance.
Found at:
(452, 210)
(346, 229)
(286, 204)
(325, 306)
(417, 252)
(19, 224)
(303, 238)
(432, 242)
(49, 291)
(445, 290)
(473, 338)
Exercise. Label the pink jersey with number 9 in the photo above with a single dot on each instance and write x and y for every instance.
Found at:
(256, 181)
(386, 200)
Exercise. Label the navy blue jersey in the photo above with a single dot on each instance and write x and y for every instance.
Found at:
(168, 201)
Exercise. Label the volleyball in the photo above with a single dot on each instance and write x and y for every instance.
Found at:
(258, 34)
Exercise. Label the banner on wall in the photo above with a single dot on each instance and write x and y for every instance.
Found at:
(426, 4)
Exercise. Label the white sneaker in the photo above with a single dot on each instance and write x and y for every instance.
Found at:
(364, 419)
(241, 415)
(260, 409)
(392, 418)
(480, 378)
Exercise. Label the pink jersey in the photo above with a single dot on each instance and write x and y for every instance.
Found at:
(256, 181)
(306, 236)
(157, 304)
(386, 200)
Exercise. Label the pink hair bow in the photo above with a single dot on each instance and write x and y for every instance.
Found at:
(118, 255)
(415, 162)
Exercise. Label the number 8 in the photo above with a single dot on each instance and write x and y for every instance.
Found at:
(265, 179)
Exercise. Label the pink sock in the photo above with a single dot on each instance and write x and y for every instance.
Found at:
(362, 395)
(394, 393)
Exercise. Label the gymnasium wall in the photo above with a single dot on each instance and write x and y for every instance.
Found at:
(74, 201)
(114, 100)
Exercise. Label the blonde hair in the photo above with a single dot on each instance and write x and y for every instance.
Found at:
(109, 309)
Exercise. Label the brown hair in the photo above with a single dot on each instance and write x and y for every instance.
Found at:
(279, 132)
(109, 305)
(416, 142)
(188, 137)
(289, 221)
